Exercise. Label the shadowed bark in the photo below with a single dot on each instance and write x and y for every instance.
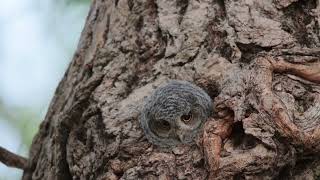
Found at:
(258, 60)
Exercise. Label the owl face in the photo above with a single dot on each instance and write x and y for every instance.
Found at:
(175, 113)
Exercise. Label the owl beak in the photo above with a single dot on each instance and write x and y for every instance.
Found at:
(181, 137)
(178, 135)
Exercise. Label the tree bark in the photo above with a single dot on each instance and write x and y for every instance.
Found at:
(258, 60)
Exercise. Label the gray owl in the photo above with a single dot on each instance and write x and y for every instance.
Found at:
(175, 113)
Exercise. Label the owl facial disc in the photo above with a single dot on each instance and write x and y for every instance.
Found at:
(175, 113)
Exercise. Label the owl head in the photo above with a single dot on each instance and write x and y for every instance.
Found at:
(175, 113)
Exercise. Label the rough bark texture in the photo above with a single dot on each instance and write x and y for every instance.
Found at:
(258, 60)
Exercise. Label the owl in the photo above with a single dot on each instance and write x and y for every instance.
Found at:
(175, 113)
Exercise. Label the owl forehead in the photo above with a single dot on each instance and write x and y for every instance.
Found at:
(175, 95)
(170, 107)
(173, 100)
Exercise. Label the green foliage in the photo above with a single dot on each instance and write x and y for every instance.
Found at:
(24, 119)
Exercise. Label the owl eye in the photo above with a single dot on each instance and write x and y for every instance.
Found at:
(164, 125)
(160, 127)
(186, 117)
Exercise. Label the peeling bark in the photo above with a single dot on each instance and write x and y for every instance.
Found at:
(258, 60)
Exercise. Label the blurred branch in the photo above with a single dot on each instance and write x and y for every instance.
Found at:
(12, 160)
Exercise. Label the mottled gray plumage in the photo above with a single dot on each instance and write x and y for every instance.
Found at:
(175, 113)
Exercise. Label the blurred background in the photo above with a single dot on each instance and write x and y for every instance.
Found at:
(37, 41)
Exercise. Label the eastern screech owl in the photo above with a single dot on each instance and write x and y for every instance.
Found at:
(175, 113)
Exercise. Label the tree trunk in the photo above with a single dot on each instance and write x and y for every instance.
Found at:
(258, 60)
